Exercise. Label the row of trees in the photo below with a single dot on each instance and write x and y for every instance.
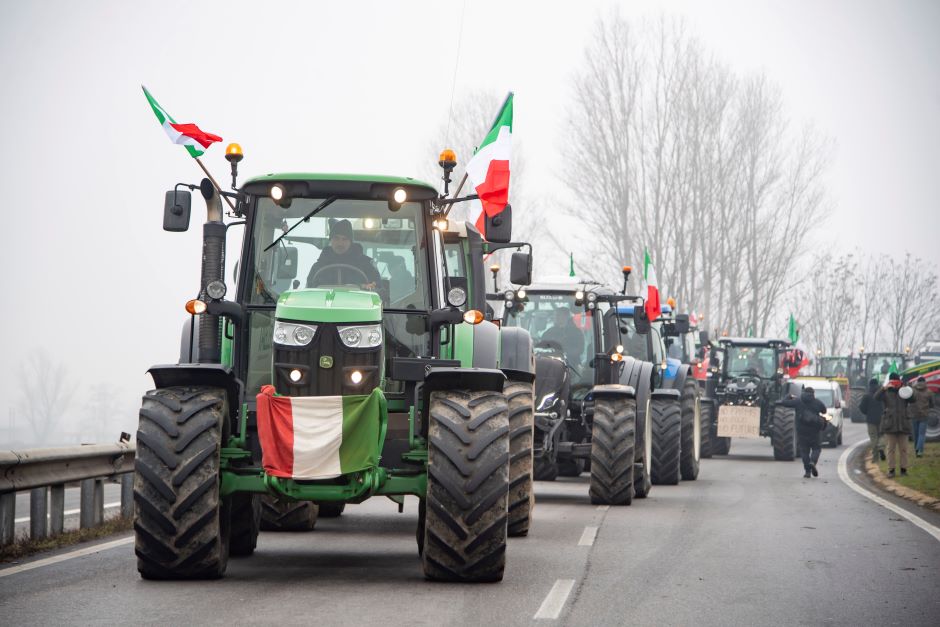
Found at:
(882, 304)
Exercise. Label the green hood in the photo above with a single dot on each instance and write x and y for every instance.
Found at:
(329, 305)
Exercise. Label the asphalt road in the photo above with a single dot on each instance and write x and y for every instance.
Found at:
(751, 542)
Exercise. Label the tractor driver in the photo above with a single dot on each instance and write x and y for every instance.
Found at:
(343, 261)
(566, 333)
(755, 365)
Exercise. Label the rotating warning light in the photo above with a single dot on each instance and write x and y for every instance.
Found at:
(233, 153)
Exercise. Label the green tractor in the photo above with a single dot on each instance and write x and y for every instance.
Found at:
(327, 381)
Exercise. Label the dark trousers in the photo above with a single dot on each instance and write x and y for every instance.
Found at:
(809, 451)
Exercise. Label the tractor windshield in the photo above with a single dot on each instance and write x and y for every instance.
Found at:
(834, 367)
(558, 326)
(880, 366)
(355, 243)
(634, 344)
(758, 361)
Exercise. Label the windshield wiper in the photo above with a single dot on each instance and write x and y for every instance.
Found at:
(323, 205)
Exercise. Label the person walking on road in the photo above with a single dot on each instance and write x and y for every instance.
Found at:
(872, 409)
(809, 427)
(919, 410)
(895, 423)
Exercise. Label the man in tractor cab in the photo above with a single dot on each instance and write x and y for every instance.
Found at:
(755, 365)
(566, 333)
(343, 261)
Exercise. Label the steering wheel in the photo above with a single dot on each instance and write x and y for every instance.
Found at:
(552, 344)
(314, 282)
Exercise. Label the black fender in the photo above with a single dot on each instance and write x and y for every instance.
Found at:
(613, 391)
(666, 394)
(486, 345)
(517, 358)
(685, 371)
(209, 375)
(189, 341)
(457, 378)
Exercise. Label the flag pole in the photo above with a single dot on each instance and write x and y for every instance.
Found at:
(215, 183)
(499, 113)
(460, 186)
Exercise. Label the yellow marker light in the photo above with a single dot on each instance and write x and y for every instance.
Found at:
(671, 302)
(195, 306)
(628, 268)
(441, 224)
(233, 152)
(616, 357)
(494, 267)
(473, 317)
(448, 155)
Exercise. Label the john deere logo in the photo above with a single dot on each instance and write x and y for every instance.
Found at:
(326, 361)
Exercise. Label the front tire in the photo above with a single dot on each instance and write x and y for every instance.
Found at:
(666, 418)
(331, 510)
(468, 486)
(783, 437)
(613, 451)
(246, 522)
(521, 432)
(642, 480)
(691, 448)
(708, 427)
(181, 522)
(284, 515)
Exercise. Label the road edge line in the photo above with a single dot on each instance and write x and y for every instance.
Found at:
(55, 559)
(900, 511)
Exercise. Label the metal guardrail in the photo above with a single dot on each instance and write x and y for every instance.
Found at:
(45, 472)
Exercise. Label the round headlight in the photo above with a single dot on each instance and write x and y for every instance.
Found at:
(619, 348)
(355, 377)
(400, 195)
(510, 294)
(592, 296)
(579, 295)
(351, 336)
(375, 337)
(521, 294)
(280, 335)
(508, 304)
(216, 290)
(296, 375)
(303, 335)
(456, 296)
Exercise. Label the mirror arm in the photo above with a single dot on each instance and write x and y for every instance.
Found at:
(489, 247)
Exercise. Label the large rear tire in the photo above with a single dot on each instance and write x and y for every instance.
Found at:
(284, 515)
(521, 431)
(691, 450)
(783, 437)
(246, 522)
(642, 477)
(544, 469)
(613, 451)
(855, 401)
(468, 486)
(181, 522)
(570, 467)
(666, 418)
(708, 427)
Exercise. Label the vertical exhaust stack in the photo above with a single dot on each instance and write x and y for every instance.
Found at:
(213, 264)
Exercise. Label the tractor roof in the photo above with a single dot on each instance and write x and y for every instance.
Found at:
(628, 309)
(560, 286)
(320, 184)
(753, 341)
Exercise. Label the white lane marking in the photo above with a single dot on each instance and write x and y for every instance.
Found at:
(555, 601)
(900, 511)
(66, 556)
(603, 508)
(70, 512)
(587, 538)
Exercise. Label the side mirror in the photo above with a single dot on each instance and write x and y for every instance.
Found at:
(703, 338)
(520, 269)
(682, 323)
(837, 405)
(176, 208)
(498, 228)
(287, 262)
(641, 320)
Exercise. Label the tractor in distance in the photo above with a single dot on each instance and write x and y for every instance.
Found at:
(866, 367)
(319, 381)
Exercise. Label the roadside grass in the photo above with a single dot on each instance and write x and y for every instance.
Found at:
(25, 546)
(924, 472)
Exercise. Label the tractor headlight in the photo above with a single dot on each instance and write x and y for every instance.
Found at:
(216, 290)
(457, 296)
(290, 334)
(591, 297)
(509, 294)
(364, 336)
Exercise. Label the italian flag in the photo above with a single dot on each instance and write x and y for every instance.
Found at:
(319, 437)
(488, 169)
(653, 308)
(189, 135)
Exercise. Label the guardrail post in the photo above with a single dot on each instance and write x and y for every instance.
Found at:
(127, 494)
(7, 516)
(56, 509)
(38, 513)
(86, 517)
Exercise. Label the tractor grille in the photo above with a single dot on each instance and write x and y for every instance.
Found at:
(317, 380)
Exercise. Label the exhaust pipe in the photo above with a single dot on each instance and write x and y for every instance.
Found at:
(213, 265)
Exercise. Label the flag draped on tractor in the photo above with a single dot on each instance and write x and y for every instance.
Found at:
(319, 437)
(488, 169)
(653, 308)
(191, 136)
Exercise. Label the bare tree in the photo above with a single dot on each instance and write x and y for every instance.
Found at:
(46, 394)
(832, 305)
(912, 306)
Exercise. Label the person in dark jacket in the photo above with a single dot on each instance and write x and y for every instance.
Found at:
(343, 262)
(809, 427)
(919, 410)
(895, 423)
(567, 334)
(873, 409)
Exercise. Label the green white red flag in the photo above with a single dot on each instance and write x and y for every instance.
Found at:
(488, 169)
(191, 136)
(653, 307)
(319, 437)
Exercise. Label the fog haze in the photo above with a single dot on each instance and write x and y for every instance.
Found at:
(93, 280)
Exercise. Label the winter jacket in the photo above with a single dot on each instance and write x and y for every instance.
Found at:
(343, 275)
(870, 407)
(895, 418)
(921, 402)
(809, 423)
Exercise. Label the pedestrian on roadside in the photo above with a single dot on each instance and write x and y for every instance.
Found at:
(895, 423)
(872, 409)
(919, 410)
(809, 427)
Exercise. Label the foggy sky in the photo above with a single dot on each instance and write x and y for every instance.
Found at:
(360, 87)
